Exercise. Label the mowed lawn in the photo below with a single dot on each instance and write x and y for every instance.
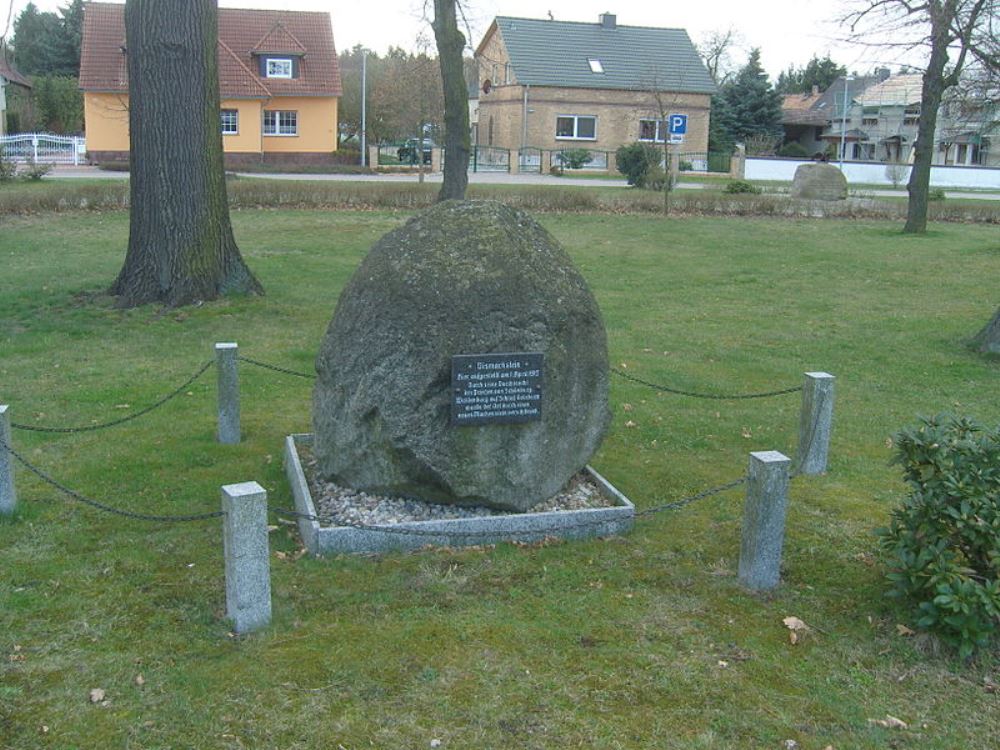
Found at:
(644, 641)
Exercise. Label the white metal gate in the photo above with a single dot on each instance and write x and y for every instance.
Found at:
(42, 148)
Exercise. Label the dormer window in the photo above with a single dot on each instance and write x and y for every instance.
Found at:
(278, 67)
(595, 65)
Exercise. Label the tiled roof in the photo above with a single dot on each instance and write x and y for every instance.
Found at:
(797, 109)
(242, 34)
(897, 91)
(558, 53)
(281, 40)
(7, 71)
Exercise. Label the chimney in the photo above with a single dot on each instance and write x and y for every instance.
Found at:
(608, 20)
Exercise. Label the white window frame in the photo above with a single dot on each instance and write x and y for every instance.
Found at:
(283, 67)
(576, 128)
(236, 121)
(660, 132)
(281, 127)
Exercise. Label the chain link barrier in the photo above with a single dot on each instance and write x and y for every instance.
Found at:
(275, 368)
(99, 505)
(142, 412)
(392, 529)
(714, 396)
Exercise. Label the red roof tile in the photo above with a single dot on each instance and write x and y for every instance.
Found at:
(243, 34)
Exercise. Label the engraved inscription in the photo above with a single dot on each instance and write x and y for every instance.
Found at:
(496, 388)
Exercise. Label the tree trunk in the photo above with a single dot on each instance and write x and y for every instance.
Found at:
(930, 100)
(988, 339)
(181, 247)
(450, 45)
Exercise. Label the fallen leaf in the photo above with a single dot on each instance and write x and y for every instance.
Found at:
(140, 680)
(723, 663)
(889, 722)
(96, 695)
(745, 432)
(989, 686)
(122, 406)
(795, 626)
(627, 407)
(903, 630)
(44, 728)
(630, 423)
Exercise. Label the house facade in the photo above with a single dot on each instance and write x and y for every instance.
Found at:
(13, 86)
(557, 85)
(877, 118)
(279, 82)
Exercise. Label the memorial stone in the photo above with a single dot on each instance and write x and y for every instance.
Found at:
(464, 283)
(819, 182)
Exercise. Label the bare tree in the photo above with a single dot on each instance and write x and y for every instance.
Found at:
(181, 246)
(716, 48)
(450, 45)
(954, 34)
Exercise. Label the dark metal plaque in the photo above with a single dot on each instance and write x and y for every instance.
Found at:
(496, 388)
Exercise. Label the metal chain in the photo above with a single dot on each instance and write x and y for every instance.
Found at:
(98, 505)
(483, 534)
(275, 368)
(717, 396)
(88, 428)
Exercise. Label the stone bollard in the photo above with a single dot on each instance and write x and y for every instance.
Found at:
(228, 393)
(8, 495)
(245, 546)
(815, 423)
(373, 157)
(764, 520)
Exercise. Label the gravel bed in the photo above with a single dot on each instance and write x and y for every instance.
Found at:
(342, 506)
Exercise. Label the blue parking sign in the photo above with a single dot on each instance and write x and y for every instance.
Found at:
(678, 124)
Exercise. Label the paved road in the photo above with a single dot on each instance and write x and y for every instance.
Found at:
(476, 178)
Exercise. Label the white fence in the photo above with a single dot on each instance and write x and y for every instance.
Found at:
(42, 148)
(874, 173)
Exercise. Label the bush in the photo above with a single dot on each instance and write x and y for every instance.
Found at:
(685, 166)
(574, 158)
(793, 150)
(635, 160)
(742, 186)
(34, 171)
(942, 545)
(8, 169)
(935, 194)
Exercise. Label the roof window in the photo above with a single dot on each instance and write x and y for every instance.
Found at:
(595, 65)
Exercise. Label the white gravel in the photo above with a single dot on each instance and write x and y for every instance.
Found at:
(339, 506)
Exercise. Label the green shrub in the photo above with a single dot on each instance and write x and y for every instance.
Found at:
(685, 166)
(935, 194)
(741, 186)
(635, 160)
(8, 169)
(34, 171)
(574, 158)
(794, 150)
(942, 545)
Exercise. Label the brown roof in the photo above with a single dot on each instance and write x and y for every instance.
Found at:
(797, 109)
(7, 71)
(243, 34)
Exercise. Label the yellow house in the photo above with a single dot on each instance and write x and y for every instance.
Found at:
(278, 78)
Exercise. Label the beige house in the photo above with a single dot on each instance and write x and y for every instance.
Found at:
(550, 86)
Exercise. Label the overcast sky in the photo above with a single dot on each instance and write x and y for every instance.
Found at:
(787, 31)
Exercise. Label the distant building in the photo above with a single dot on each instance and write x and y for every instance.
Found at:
(279, 81)
(13, 86)
(558, 85)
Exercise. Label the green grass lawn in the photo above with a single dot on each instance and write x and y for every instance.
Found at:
(636, 642)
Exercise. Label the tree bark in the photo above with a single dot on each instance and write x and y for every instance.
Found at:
(988, 339)
(181, 247)
(451, 44)
(941, 17)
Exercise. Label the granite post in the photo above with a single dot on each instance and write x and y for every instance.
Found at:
(245, 547)
(8, 496)
(764, 520)
(815, 423)
(228, 393)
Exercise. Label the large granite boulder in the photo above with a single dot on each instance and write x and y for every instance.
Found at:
(461, 278)
(819, 182)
